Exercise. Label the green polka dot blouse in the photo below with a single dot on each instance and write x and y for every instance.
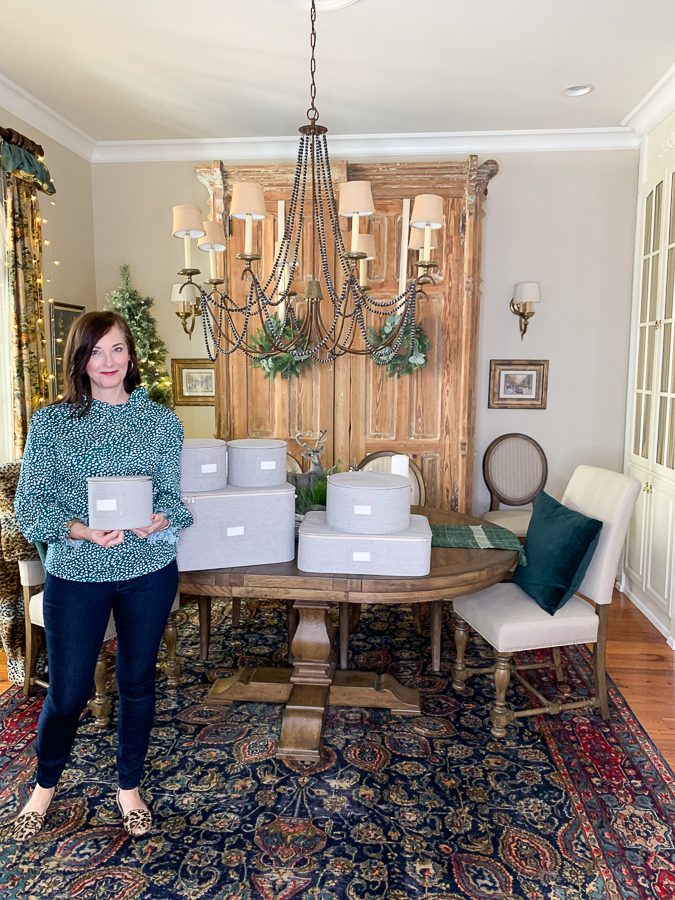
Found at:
(134, 438)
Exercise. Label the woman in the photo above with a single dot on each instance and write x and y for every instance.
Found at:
(105, 426)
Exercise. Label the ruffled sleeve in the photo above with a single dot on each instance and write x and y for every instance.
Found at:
(40, 514)
(166, 480)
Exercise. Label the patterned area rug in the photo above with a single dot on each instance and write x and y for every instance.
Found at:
(399, 808)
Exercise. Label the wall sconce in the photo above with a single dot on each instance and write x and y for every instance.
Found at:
(524, 295)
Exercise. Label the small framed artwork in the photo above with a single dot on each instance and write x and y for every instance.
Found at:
(194, 382)
(518, 383)
(61, 317)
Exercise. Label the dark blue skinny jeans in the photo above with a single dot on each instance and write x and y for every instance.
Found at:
(76, 614)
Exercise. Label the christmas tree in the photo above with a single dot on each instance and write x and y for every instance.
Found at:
(150, 348)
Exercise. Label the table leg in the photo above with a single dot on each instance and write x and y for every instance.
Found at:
(204, 604)
(436, 626)
(291, 625)
(305, 713)
(344, 634)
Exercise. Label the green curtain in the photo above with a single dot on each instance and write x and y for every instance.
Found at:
(24, 279)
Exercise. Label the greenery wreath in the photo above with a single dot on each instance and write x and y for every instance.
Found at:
(288, 365)
(410, 356)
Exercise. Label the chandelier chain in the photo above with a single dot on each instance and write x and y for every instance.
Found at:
(313, 112)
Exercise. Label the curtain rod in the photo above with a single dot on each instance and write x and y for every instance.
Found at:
(20, 140)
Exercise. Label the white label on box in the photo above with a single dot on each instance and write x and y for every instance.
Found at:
(268, 464)
(237, 529)
(361, 557)
(362, 510)
(106, 505)
(210, 467)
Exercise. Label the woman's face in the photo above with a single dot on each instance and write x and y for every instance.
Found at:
(109, 361)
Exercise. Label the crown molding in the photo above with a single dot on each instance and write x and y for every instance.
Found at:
(352, 146)
(357, 146)
(654, 106)
(38, 115)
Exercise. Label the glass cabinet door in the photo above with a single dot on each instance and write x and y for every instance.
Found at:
(665, 390)
(646, 389)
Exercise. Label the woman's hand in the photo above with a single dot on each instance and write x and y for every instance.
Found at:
(81, 532)
(159, 523)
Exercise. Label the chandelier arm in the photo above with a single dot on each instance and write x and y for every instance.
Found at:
(332, 207)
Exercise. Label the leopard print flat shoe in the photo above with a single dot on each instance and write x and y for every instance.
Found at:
(28, 824)
(137, 822)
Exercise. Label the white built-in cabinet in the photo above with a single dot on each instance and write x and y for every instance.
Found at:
(649, 556)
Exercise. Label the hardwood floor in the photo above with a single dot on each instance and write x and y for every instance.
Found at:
(638, 659)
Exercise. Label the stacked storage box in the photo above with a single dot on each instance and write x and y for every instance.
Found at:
(367, 529)
(246, 515)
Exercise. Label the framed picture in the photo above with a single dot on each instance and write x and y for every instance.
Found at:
(194, 382)
(518, 383)
(61, 317)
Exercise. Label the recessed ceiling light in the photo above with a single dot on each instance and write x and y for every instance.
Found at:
(321, 5)
(578, 90)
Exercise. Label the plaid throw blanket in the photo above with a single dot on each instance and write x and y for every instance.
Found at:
(477, 537)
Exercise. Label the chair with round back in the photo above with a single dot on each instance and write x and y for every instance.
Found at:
(515, 470)
(381, 462)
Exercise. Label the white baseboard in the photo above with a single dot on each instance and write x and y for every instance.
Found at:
(650, 614)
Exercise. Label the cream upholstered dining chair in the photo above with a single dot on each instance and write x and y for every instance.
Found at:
(511, 621)
(32, 578)
(515, 470)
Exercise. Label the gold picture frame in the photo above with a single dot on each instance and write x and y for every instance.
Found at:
(59, 322)
(194, 382)
(518, 384)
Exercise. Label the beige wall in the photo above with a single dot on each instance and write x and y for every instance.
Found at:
(70, 220)
(132, 215)
(566, 220)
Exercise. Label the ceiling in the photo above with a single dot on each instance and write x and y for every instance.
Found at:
(153, 70)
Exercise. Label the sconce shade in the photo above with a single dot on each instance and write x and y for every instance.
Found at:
(367, 245)
(428, 210)
(214, 238)
(416, 241)
(187, 222)
(527, 292)
(248, 198)
(356, 199)
(189, 294)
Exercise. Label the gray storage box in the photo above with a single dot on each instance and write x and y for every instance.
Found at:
(368, 502)
(322, 549)
(123, 502)
(238, 527)
(203, 465)
(256, 463)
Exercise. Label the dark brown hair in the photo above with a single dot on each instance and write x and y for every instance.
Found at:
(83, 336)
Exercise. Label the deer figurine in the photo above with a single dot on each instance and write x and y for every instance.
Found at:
(315, 473)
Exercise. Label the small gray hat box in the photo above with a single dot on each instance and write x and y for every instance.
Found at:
(119, 502)
(368, 502)
(203, 465)
(255, 462)
(238, 526)
(322, 549)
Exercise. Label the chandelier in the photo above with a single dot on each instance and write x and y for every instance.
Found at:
(332, 317)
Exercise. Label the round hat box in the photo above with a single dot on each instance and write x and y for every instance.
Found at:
(203, 465)
(368, 502)
(119, 502)
(255, 462)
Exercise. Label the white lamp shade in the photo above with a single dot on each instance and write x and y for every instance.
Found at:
(214, 238)
(356, 198)
(428, 210)
(248, 198)
(367, 245)
(527, 292)
(188, 295)
(187, 222)
(417, 239)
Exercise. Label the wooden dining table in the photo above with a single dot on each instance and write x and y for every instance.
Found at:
(314, 682)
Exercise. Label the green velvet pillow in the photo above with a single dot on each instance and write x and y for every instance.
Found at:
(559, 546)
